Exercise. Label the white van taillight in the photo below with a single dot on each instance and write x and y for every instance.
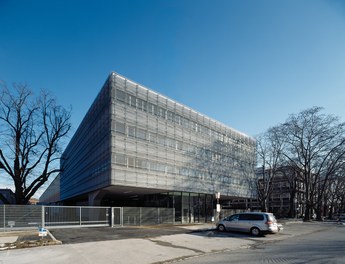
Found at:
(269, 223)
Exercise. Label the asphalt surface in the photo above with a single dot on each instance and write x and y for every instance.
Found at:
(147, 245)
(323, 246)
(94, 234)
(83, 235)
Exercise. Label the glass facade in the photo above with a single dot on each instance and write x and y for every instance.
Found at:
(133, 137)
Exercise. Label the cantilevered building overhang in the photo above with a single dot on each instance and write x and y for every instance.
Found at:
(134, 142)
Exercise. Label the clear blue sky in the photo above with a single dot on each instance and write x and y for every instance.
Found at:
(248, 64)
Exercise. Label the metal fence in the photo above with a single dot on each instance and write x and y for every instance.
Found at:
(15, 217)
(136, 216)
(20, 216)
(65, 216)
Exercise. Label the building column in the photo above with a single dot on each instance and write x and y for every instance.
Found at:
(96, 197)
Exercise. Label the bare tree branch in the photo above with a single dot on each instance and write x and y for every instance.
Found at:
(34, 130)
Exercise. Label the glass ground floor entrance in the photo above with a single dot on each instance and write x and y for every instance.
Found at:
(189, 207)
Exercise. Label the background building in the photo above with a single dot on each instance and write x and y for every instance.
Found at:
(136, 147)
(7, 196)
(286, 197)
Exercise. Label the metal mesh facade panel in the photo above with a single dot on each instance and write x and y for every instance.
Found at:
(174, 147)
(135, 137)
(86, 160)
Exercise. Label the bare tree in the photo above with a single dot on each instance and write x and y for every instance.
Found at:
(314, 146)
(269, 150)
(335, 193)
(339, 201)
(31, 131)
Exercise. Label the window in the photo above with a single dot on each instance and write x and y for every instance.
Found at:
(171, 116)
(161, 112)
(139, 163)
(179, 145)
(131, 162)
(233, 218)
(161, 140)
(120, 95)
(152, 109)
(160, 167)
(153, 138)
(184, 171)
(120, 128)
(120, 159)
(170, 169)
(171, 143)
(131, 131)
(141, 104)
(143, 164)
(251, 217)
(141, 134)
(226, 179)
(131, 100)
(185, 122)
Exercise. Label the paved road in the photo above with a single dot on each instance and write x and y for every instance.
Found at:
(148, 245)
(325, 246)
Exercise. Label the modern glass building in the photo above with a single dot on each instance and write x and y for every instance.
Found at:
(136, 147)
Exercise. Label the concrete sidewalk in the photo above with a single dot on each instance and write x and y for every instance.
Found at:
(159, 249)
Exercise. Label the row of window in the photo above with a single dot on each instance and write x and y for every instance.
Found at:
(135, 162)
(156, 110)
(225, 154)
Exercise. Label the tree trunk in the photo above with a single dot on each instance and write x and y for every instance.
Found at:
(292, 211)
(264, 205)
(307, 212)
(319, 211)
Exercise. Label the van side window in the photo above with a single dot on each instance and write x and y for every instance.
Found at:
(256, 217)
(234, 217)
(251, 217)
(244, 217)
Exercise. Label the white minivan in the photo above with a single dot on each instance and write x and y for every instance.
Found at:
(254, 223)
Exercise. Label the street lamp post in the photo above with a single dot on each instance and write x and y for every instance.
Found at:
(217, 205)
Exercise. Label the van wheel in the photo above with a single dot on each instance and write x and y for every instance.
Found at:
(255, 231)
(221, 228)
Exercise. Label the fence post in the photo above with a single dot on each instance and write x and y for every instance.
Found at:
(80, 215)
(158, 215)
(121, 216)
(43, 216)
(173, 215)
(4, 218)
(111, 217)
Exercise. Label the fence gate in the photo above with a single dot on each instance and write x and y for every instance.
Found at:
(73, 216)
(116, 216)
